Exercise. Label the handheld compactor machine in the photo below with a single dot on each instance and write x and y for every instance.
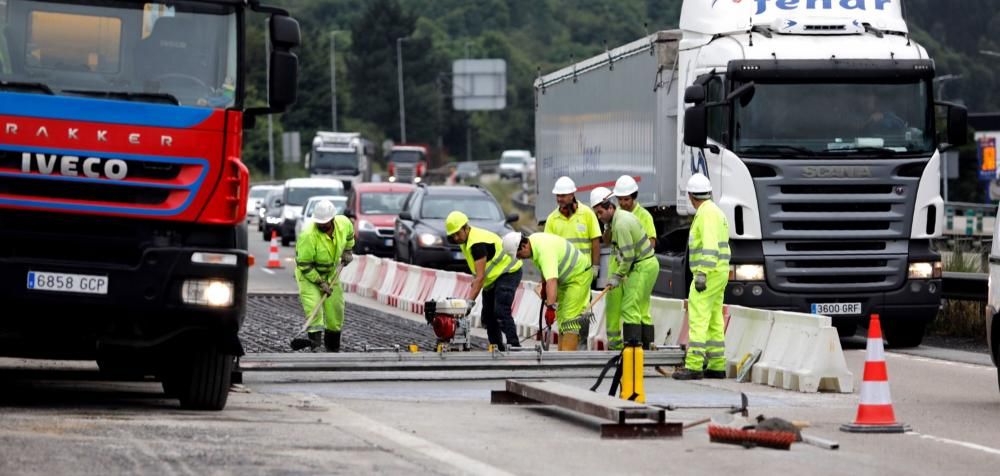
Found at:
(450, 319)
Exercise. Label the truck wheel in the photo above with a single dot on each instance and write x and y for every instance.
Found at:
(904, 334)
(201, 382)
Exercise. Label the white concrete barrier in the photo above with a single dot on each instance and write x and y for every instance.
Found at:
(803, 353)
(749, 330)
(668, 320)
(407, 294)
(371, 278)
(384, 289)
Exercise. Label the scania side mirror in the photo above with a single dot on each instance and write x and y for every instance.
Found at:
(696, 126)
(695, 95)
(744, 93)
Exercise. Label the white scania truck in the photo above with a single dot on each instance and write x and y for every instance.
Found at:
(344, 156)
(816, 123)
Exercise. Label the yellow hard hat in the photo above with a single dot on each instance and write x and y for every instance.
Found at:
(455, 222)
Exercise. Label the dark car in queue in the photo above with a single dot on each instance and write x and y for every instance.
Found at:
(420, 236)
(374, 207)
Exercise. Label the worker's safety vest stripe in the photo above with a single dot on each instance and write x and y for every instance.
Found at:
(564, 271)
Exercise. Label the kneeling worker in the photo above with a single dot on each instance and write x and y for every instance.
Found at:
(636, 268)
(566, 274)
(324, 242)
(497, 275)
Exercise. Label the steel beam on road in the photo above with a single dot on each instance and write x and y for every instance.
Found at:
(629, 419)
(443, 361)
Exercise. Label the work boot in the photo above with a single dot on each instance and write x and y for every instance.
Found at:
(715, 374)
(647, 336)
(331, 339)
(632, 334)
(687, 374)
(569, 342)
(315, 341)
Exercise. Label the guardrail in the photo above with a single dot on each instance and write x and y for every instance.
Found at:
(965, 286)
(969, 219)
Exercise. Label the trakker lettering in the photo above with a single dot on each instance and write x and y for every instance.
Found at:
(72, 166)
(836, 172)
(852, 5)
(73, 133)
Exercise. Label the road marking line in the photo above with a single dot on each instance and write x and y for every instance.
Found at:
(343, 416)
(932, 360)
(964, 444)
(267, 271)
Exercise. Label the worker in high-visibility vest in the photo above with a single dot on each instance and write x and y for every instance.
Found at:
(708, 256)
(575, 222)
(329, 238)
(636, 267)
(627, 192)
(566, 277)
(497, 275)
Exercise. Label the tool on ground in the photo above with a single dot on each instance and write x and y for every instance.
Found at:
(795, 428)
(732, 410)
(778, 440)
(628, 375)
(298, 342)
(744, 368)
(449, 319)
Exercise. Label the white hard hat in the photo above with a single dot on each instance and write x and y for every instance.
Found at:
(599, 195)
(563, 186)
(625, 186)
(511, 242)
(324, 212)
(699, 184)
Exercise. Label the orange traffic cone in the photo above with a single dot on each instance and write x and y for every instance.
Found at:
(875, 413)
(273, 259)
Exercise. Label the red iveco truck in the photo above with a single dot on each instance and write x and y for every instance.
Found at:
(122, 191)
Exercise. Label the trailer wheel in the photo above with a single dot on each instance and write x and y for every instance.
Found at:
(201, 382)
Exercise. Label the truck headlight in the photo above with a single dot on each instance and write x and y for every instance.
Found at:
(429, 239)
(205, 292)
(365, 225)
(746, 272)
(925, 270)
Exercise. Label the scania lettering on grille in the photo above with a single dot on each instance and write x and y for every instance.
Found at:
(73, 166)
(836, 172)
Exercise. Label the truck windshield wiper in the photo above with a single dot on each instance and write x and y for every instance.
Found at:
(146, 97)
(779, 149)
(861, 150)
(25, 86)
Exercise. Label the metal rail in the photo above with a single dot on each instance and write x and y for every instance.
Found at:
(444, 361)
(965, 286)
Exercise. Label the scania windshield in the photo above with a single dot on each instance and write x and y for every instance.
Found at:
(175, 52)
(834, 120)
(338, 161)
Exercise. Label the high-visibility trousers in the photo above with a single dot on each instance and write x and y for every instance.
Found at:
(613, 302)
(573, 297)
(706, 327)
(331, 316)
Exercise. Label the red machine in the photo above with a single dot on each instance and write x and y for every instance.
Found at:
(449, 318)
(122, 189)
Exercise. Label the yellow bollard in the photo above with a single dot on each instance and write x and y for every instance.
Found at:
(632, 374)
(414, 348)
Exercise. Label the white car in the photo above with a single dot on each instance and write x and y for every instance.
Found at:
(256, 198)
(297, 193)
(339, 202)
(515, 163)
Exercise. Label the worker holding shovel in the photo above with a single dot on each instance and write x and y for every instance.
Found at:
(327, 240)
(566, 277)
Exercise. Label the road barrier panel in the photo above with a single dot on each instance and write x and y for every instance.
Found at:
(669, 320)
(388, 281)
(411, 287)
(372, 277)
(803, 353)
(749, 330)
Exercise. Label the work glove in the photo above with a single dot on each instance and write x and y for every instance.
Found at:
(597, 271)
(346, 257)
(614, 282)
(325, 287)
(700, 282)
(550, 314)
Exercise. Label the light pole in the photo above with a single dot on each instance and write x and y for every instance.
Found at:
(468, 120)
(333, 77)
(402, 98)
(270, 121)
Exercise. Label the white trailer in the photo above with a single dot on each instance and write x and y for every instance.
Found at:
(345, 156)
(815, 121)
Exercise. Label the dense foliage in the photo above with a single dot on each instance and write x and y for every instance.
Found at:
(531, 35)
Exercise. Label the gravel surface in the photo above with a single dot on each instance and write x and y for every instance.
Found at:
(272, 321)
(968, 344)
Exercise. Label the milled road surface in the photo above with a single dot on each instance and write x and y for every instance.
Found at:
(315, 423)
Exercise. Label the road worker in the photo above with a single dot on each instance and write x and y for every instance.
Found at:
(708, 254)
(325, 241)
(576, 223)
(636, 269)
(497, 275)
(627, 192)
(566, 277)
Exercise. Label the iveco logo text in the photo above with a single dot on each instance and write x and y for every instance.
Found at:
(72, 166)
(836, 172)
(73, 133)
(861, 5)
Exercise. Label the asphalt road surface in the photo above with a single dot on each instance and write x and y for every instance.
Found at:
(70, 421)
